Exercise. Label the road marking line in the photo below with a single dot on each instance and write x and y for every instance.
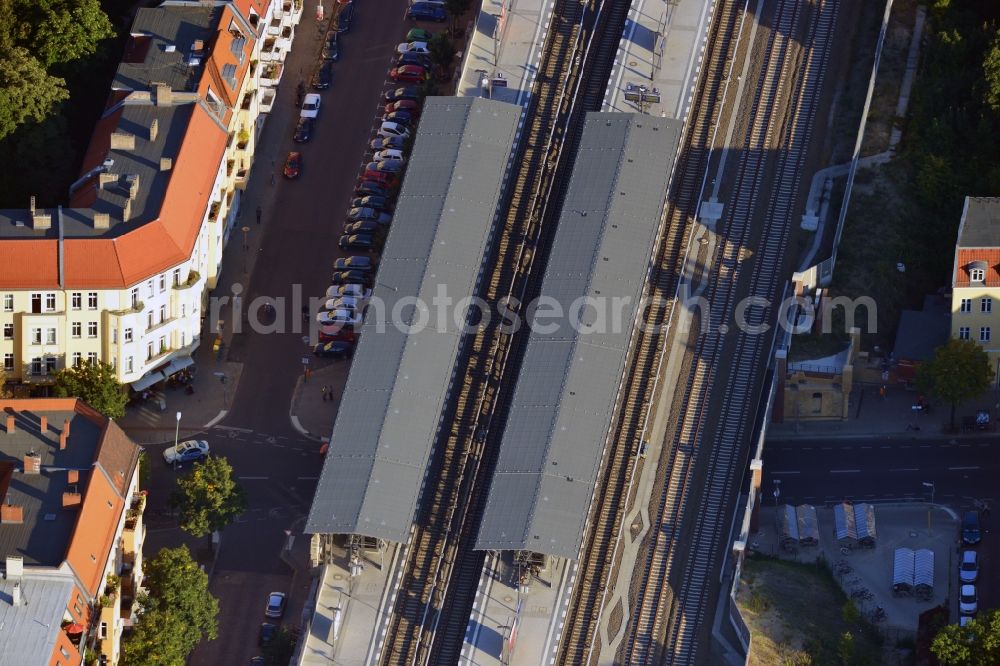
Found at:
(905, 469)
(252, 478)
(955, 469)
(845, 471)
(787, 472)
(307, 478)
(221, 427)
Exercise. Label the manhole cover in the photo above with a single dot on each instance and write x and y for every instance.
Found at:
(508, 598)
(632, 63)
(338, 576)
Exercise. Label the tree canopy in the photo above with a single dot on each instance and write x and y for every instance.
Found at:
(975, 644)
(208, 498)
(959, 371)
(177, 612)
(96, 384)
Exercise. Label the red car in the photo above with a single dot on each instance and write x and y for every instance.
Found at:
(409, 74)
(384, 178)
(409, 105)
(344, 334)
(293, 165)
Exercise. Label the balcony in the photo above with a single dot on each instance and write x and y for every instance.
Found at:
(213, 211)
(193, 277)
(270, 76)
(267, 97)
(274, 27)
(109, 604)
(247, 100)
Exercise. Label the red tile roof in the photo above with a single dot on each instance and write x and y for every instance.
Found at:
(965, 257)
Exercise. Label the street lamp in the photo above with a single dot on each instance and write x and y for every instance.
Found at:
(929, 484)
(177, 432)
(245, 247)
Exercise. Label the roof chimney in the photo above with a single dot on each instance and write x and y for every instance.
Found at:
(63, 436)
(126, 210)
(166, 163)
(106, 178)
(154, 128)
(15, 594)
(102, 220)
(122, 141)
(164, 95)
(132, 180)
(72, 476)
(71, 500)
(11, 514)
(66, 426)
(11, 427)
(32, 463)
(15, 566)
(43, 424)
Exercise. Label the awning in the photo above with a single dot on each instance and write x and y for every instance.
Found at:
(147, 380)
(74, 628)
(177, 365)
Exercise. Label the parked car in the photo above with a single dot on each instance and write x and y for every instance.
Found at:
(344, 303)
(338, 349)
(345, 17)
(360, 278)
(408, 74)
(293, 165)
(324, 76)
(331, 50)
(411, 106)
(412, 58)
(971, 534)
(370, 188)
(968, 601)
(404, 92)
(188, 451)
(392, 129)
(343, 317)
(384, 166)
(968, 570)
(413, 47)
(389, 154)
(370, 227)
(354, 263)
(303, 130)
(419, 35)
(364, 213)
(382, 142)
(404, 118)
(356, 242)
(384, 178)
(275, 605)
(355, 290)
(425, 11)
(372, 201)
(310, 106)
(337, 334)
(266, 633)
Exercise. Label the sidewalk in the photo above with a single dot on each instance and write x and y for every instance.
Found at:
(875, 417)
(310, 414)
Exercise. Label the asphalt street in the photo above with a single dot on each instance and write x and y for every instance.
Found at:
(827, 471)
(277, 466)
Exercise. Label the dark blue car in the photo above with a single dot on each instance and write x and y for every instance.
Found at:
(426, 11)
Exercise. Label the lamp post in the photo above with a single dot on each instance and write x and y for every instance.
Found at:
(245, 247)
(177, 432)
(929, 484)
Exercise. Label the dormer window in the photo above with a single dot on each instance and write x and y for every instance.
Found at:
(977, 271)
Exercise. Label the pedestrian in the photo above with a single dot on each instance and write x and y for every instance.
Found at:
(305, 374)
(259, 212)
(881, 392)
(324, 394)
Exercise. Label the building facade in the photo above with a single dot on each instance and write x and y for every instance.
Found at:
(71, 533)
(975, 300)
(121, 274)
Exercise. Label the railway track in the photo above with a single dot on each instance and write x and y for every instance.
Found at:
(705, 458)
(440, 573)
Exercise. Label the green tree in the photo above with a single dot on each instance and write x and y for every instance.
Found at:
(4, 392)
(96, 384)
(281, 648)
(975, 644)
(991, 72)
(208, 498)
(846, 648)
(69, 30)
(177, 612)
(442, 51)
(959, 371)
(455, 9)
(27, 91)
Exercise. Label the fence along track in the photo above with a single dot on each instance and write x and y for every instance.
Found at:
(434, 546)
(599, 549)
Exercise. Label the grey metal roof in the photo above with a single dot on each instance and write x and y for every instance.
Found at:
(43, 537)
(980, 223)
(28, 632)
(388, 417)
(562, 406)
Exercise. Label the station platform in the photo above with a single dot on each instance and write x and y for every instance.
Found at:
(514, 623)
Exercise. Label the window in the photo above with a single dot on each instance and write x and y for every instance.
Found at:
(128, 335)
(50, 365)
(183, 339)
(63, 652)
(977, 274)
(8, 362)
(183, 309)
(986, 304)
(177, 277)
(91, 300)
(149, 288)
(76, 359)
(76, 300)
(134, 295)
(163, 283)
(128, 364)
(36, 303)
(36, 336)
(50, 336)
(8, 331)
(149, 350)
(984, 334)
(163, 313)
(963, 333)
(102, 631)
(114, 336)
(36, 365)
(149, 319)
(8, 302)
(91, 329)
(76, 327)
(163, 344)
(966, 305)
(50, 302)
(92, 358)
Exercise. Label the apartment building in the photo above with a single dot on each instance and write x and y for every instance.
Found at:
(975, 300)
(71, 533)
(121, 274)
